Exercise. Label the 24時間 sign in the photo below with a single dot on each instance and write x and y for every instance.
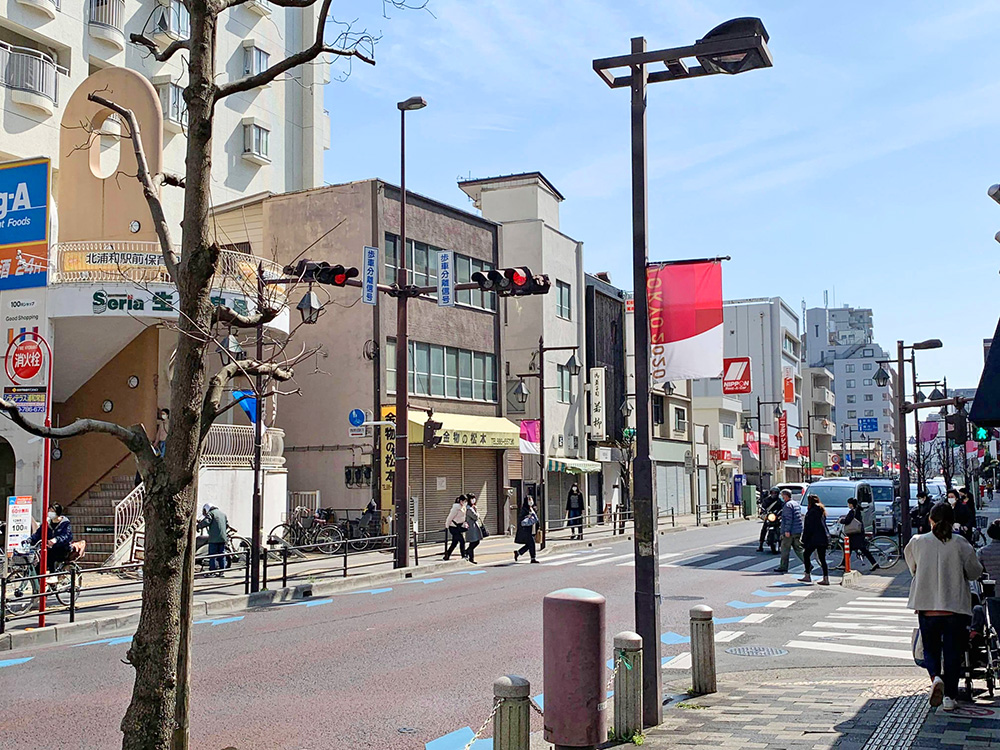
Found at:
(24, 223)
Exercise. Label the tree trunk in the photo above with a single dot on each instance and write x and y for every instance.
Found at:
(182, 720)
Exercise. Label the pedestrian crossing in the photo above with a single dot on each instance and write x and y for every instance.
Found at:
(866, 626)
(722, 560)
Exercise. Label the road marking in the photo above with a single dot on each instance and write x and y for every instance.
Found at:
(552, 558)
(840, 648)
(575, 559)
(365, 591)
(793, 594)
(453, 741)
(864, 626)
(681, 661)
(728, 562)
(310, 603)
(903, 599)
(425, 580)
(14, 662)
(607, 560)
(880, 618)
(671, 638)
(727, 636)
(864, 610)
(780, 603)
(755, 619)
(106, 641)
(222, 621)
(855, 636)
(667, 556)
(760, 567)
(691, 560)
(465, 573)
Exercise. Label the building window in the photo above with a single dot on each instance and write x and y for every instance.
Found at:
(885, 395)
(850, 382)
(788, 345)
(868, 366)
(728, 431)
(173, 104)
(848, 368)
(255, 140)
(852, 414)
(657, 409)
(422, 270)
(680, 419)
(885, 412)
(869, 412)
(565, 384)
(868, 382)
(445, 372)
(255, 60)
(477, 298)
(174, 20)
(868, 353)
(869, 397)
(564, 306)
(851, 398)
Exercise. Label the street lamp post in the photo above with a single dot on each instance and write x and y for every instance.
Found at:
(733, 47)
(778, 411)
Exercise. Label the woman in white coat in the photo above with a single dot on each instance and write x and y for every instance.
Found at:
(456, 525)
(474, 533)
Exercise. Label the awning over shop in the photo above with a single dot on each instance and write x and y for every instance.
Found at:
(574, 466)
(468, 430)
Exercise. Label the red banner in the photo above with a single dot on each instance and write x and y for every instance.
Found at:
(752, 445)
(720, 455)
(783, 437)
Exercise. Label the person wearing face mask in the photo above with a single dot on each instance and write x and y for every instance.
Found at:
(527, 520)
(574, 512)
(965, 513)
(60, 537)
(475, 533)
(457, 526)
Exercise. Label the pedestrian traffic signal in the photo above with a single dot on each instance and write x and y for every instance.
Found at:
(982, 434)
(956, 428)
(322, 272)
(511, 282)
(431, 438)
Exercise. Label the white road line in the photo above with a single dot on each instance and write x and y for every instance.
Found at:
(874, 638)
(865, 610)
(667, 556)
(801, 593)
(576, 559)
(607, 560)
(880, 618)
(726, 636)
(903, 599)
(781, 603)
(690, 560)
(864, 626)
(760, 567)
(755, 619)
(880, 605)
(559, 557)
(840, 648)
(727, 562)
(681, 661)
(592, 550)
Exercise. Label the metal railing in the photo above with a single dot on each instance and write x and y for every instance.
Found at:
(599, 524)
(281, 557)
(128, 520)
(110, 13)
(25, 69)
(142, 262)
(228, 445)
(716, 511)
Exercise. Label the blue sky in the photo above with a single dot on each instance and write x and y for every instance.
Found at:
(858, 164)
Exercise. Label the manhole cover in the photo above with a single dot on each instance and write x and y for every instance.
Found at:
(683, 598)
(406, 730)
(756, 651)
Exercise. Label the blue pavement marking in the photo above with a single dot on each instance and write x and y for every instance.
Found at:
(540, 700)
(424, 580)
(788, 583)
(726, 620)
(673, 639)
(366, 591)
(106, 641)
(221, 621)
(468, 573)
(744, 605)
(451, 741)
(310, 603)
(760, 592)
(14, 662)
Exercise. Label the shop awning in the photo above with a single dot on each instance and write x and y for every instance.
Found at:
(574, 466)
(467, 430)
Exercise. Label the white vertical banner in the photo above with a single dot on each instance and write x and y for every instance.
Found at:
(369, 276)
(598, 425)
(446, 279)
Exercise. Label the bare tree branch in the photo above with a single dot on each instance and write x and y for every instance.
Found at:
(174, 180)
(146, 180)
(317, 48)
(160, 55)
(218, 382)
(228, 316)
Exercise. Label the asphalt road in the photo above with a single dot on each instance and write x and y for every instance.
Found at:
(399, 666)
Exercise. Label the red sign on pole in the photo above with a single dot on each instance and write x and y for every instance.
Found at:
(736, 375)
(783, 437)
(26, 359)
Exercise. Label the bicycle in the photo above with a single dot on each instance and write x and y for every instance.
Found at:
(309, 529)
(884, 549)
(236, 546)
(22, 585)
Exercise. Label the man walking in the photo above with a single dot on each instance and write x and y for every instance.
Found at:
(574, 512)
(216, 522)
(791, 530)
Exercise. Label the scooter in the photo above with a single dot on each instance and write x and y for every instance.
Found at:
(773, 531)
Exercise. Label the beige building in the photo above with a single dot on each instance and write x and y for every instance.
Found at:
(456, 354)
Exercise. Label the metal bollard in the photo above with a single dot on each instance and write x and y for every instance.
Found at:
(847, 554)
(628, 684)
(573, 668)
(512, 720)
(702, 650)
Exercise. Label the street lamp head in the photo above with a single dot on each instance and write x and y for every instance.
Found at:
(626, 409)
(994, 192)
(778, 412)
(309, 307)
(920, 397)
(573, 365)
(735, 46)
(881, 377)
(928, 344)
(747, 425)
(521, 392)
(414, 102)
(669, 388)
(936, 395)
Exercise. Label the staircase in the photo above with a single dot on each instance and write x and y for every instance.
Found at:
(96, 510)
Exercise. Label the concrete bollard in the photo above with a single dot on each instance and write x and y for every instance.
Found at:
(573, 668)
(512, 721)
(702, 650)
(628, 684)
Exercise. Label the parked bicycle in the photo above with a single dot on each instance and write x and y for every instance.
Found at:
(236, 546)
(308, 528)
(884, 549)
(22, 585)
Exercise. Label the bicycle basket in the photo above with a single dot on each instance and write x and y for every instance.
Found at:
(307, 521)
(24, 558)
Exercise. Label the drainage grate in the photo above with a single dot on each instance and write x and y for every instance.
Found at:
(899, 727)
(756, 651)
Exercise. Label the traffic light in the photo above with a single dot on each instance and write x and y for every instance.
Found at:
(982, 434)
(322, 272)
(431, 438)
(511, 282)
(956, 428)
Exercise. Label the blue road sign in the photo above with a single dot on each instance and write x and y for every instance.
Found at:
(356, 417)
(446, 279)
(369, 278)
(868, 424)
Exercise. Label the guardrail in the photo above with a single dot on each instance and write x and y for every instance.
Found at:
(716, 512)
(229, 445)
(110, 13)
(599, 524)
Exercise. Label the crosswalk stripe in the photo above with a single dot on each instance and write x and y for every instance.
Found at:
(577, 559)
(726, 562)
(863, 610)
(882, 599)
(880, 605)
(863, 626)
(881, 618)
(667, 556)
(548, 559)
(840, 648)
(873, 637)
(760, 567)
(607, 560)
(755, 619)
(726, 636)
(780, 603)
(681, 661)
(690, 560)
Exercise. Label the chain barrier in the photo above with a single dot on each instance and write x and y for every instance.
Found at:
(620, 658)
(496, 707)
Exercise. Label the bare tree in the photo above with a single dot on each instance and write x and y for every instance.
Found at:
(626, 455)
(157, 716)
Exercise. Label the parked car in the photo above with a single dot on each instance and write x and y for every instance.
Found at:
(834, 494)
(796, 488)
(887, 513)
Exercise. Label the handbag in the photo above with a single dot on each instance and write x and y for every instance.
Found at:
(854, 527)
(917, 645)
(483, 530)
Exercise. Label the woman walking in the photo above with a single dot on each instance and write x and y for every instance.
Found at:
(456, 525)
(474, 520)
(942, 565)
(527, 519)
(815, 538)
(854, 530)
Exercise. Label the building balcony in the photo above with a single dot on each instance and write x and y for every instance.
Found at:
(824, 427)
(229, 446)
(821, 395)
(31, 76)
(107, 22)
(46, 7)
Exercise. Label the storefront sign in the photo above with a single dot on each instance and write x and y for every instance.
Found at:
(388, 455)
(369, 276)
(446, 278)
(30, 399)
(783, 437)
(24, 223)
(478, 439)
(598, 426)
(18, 522)
(736, 375)
(605, 455)
(721, 455)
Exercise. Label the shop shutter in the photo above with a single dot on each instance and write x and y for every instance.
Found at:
(515, 465)
(446, 464)
(479, 469)
(673, 489)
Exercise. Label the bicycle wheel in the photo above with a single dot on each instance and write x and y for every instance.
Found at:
(285, 534)
(62, 584)
(329, 540)
(361, 543)
(19, 591)
(885, 550)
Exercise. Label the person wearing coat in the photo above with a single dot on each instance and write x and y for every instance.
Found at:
(815, 538)
(216, 522)
(791, 530)
(456, 525)
(858, 540)
(942, 564)
(474, 532)
(527, 520)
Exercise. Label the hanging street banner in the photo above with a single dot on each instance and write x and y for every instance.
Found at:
(685, 320)
(736, 375)
(387, 462)
(788, 381)
(369, 276)
(530, 436)
(598, 426)
(446, 278)
(24, 223)
(752, 445)
(783, 437)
